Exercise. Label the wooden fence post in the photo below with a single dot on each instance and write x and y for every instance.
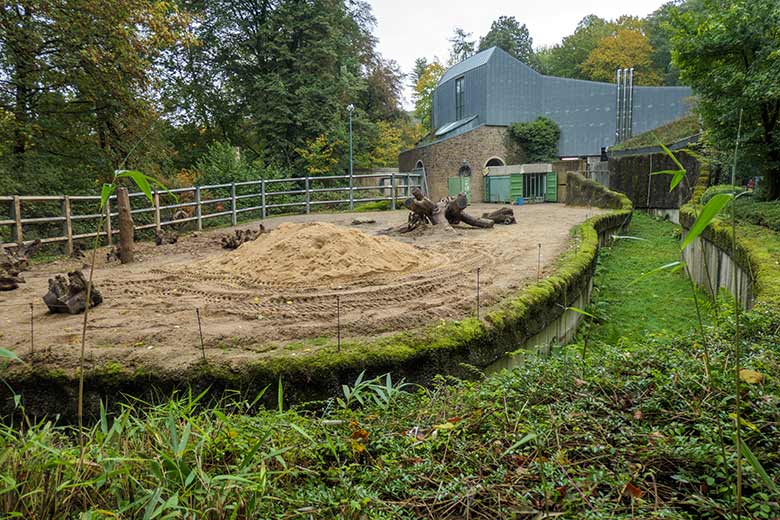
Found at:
(392, 191)
(68, 225)
(198, 210)
(262, 195)
(233, 215)
(109, 227)
(308, 196)
(126, 228)
(156, 199)
(18, 219)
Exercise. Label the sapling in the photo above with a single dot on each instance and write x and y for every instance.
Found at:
(144, 183)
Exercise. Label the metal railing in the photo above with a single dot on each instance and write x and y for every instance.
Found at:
(310, 192)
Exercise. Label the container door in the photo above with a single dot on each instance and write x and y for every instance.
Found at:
(515, 187)
(551, 187)
(454, 185)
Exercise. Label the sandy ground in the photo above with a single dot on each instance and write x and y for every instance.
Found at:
(148, 316)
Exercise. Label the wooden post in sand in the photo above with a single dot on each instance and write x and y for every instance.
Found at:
(125, 226)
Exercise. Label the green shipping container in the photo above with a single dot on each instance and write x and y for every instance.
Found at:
(457, 185)
(551, 187)
(497, 188)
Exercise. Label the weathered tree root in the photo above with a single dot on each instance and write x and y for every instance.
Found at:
(70, 295)
(13, 263)
(241, 236)
(165, 237)
(445, 214)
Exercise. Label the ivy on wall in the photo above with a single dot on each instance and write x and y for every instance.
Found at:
(539, 139)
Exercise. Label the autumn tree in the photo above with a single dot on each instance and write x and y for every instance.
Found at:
(319, 155)
(566, 59)
(727, 51)
(423, 93)
(625, 49)
(508, 34)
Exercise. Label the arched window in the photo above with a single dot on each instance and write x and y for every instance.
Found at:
(465, 170)
(419, 165)
(495, 161)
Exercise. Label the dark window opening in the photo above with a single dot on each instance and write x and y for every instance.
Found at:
(459, 103)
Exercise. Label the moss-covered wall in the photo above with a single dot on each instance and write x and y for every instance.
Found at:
(419, 355)
(631, 175)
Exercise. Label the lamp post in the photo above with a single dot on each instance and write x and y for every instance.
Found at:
(350, 109)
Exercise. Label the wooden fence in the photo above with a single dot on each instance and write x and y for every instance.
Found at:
(398, 184)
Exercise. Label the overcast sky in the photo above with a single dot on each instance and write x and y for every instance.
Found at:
(410, 29)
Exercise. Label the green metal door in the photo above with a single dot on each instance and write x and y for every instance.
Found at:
(551, 187)
(457, 185)
(515, 186)
(497, 188)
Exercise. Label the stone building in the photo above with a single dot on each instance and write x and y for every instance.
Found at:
(477, 99)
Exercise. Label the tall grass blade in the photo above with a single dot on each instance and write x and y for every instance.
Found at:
(759, 469)
(710, 211)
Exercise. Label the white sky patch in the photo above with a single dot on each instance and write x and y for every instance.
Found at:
(410, 29)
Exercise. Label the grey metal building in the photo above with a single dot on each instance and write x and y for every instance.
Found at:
(493, 88)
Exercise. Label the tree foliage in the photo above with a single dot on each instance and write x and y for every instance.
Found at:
(508, 34)
(728, 52)
(461, 46)
(538, 139)
(625, 48)
(423, 93)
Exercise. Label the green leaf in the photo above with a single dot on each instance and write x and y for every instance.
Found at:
(758, 468)
(7, 354)
(674, 266)
(710, 211)
(141, 180)
(677, 176)
(105, 194)
(580, 311)
(668, 152)
(525, 440)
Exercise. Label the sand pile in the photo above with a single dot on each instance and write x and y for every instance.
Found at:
(321, 253)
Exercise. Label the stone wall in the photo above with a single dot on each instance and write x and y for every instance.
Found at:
(444, 158)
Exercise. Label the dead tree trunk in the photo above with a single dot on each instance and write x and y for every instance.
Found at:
(13, 263)
(70, 296)
(501, 216)
(455, 214)
(126, 228)
(446, 213)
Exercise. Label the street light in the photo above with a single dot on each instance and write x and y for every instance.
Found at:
(350, 109)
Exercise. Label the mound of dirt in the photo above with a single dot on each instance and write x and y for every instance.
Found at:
(320, 254)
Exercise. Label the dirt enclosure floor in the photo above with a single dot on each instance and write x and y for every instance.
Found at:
(278, 296)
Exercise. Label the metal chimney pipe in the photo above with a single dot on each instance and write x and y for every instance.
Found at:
(617, 106)
(623, 129)
(631, 103)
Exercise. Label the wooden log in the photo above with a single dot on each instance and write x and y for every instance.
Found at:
(501, 216)
(126, 228)
(70, 295)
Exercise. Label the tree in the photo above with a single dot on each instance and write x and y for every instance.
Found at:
(417, 71)
(509, 35)
(659, 33)
(727, 51)
(462, 46)
(423, 93)
(538, 139)
(319, 155)
(626, 48)
(78, 74)
(566, 59)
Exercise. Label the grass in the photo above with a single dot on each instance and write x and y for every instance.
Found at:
(633, 307)
(668, 134)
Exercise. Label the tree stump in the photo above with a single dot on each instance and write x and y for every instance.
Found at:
(126, 228)
(13, 263)
(70, 295)
(241, 236)
(165, 237)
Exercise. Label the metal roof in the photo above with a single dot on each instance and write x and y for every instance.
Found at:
(468, 64)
